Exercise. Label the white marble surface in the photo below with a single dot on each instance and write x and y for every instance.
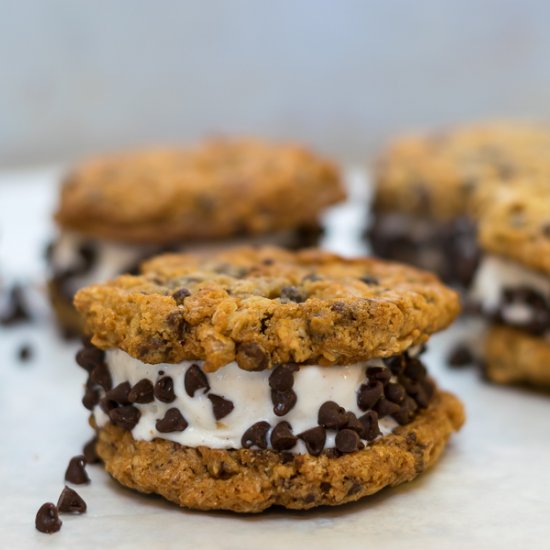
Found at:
(490, 490)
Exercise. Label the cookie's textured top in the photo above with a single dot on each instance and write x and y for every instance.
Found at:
(266, 306)
(516, 225)
(220, 188)
(437, 174)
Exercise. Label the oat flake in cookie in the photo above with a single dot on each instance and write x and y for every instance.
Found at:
(117, 210)
(296, 379)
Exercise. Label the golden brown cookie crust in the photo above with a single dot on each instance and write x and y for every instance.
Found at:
(514, 357)
(438, 174)
(516, 224)
(251, 481)
(267, 306)
(221, 188)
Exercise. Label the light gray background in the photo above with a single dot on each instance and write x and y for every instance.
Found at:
(81, 76)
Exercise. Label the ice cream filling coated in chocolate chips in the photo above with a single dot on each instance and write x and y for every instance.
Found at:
(295, 408)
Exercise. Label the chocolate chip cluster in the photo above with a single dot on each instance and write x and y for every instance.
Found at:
(119, 402)
(397, 390)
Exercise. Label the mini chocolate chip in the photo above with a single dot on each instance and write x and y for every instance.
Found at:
(49, 251)
(313, 277)
(173, 421)
(220, 406)
(423, 394)
(282, 377)
(180, 295)
(347, 441)
(16, 312)
(90, 357)
(546, 229)
(89, 451)
(125, 417)
(256, 435)
(101, 376)
(371, 430)
(395, 392)
(406, 412)
(88, 254)
(282, 438)
(415, 370)
(379, 373)
(76, 471)
(325, 486)
(421, 391)
(268, 261)
(164, 389)
(396, 364)
(355, 488)
(292, 294)
(385, 407)
(47, 519)
(332, 452)
(70, 502)
(91, 397)
(107, 405)
(176, 321)
(195, 380)
(460, 356)
(369, 394)
(369, 280)
(119, 394)
(339, 307)
(142, 392)
(353, 423)
(24, 353)
(314, 440)
(252, 357)
(283, 401)
(331, 415)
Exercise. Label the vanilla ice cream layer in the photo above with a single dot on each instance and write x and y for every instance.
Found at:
(497, 275)
(250, 394)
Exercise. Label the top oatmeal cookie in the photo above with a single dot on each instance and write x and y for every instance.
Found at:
(437, 174)
(221, 188)
(266, 306)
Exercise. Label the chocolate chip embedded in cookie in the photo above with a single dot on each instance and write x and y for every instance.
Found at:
(235, 299)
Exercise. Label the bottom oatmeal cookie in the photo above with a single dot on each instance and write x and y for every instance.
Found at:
(245, 480)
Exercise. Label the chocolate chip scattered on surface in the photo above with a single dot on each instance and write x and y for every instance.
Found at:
(76, 471)
(47, 519)
(70, 502)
